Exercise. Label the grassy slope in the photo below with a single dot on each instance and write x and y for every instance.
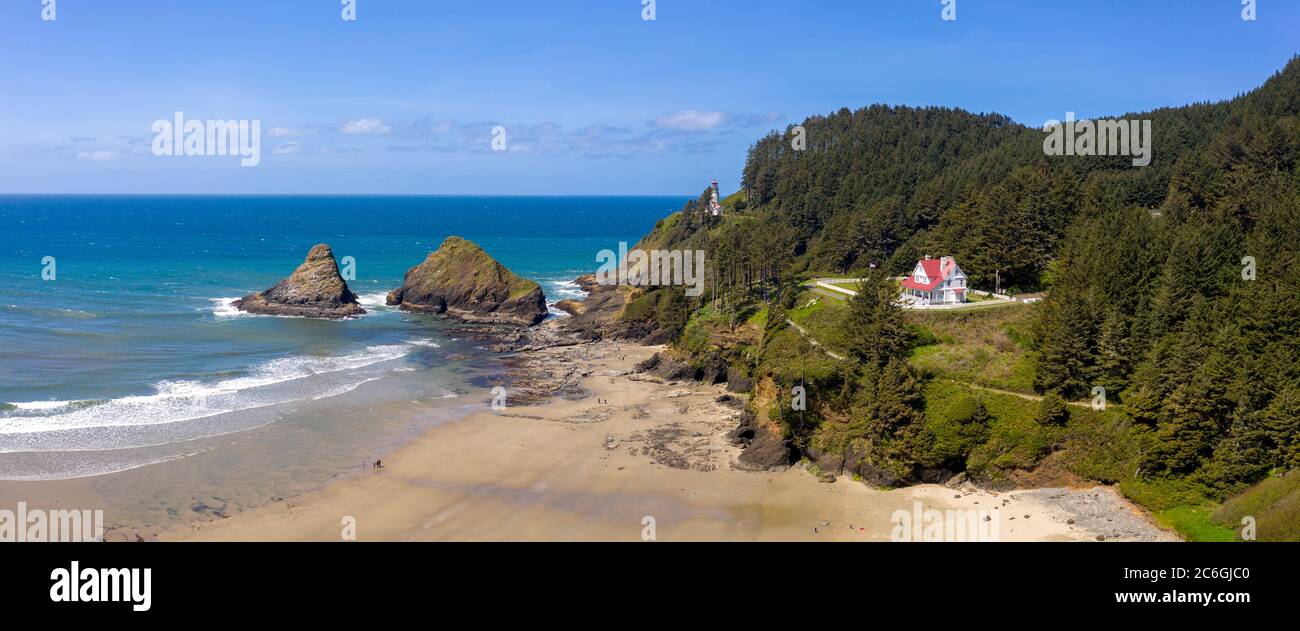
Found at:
(1274, 504)
(823, 318)
(990, 349)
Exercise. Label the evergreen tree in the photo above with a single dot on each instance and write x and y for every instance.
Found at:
(1052, 410)
(875, 330)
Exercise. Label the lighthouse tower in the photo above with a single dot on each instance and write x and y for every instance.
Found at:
(715, 206)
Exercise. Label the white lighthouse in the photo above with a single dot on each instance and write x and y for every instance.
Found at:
(715, 206)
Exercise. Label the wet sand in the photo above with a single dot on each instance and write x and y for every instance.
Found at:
(627, 459)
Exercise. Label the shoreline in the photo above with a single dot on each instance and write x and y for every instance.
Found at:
(611, 448)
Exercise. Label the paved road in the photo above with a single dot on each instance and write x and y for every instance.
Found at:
(826, 293)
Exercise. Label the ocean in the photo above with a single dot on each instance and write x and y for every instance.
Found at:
(120, 353)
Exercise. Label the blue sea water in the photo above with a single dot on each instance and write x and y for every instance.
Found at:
(131, 355)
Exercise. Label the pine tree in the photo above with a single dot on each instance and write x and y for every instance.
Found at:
(1114, 353)
(875, 328)
(1052, 410)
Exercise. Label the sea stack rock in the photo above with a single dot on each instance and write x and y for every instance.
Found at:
(314, 290)
(464, 282)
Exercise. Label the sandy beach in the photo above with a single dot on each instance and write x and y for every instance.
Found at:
(625, 457)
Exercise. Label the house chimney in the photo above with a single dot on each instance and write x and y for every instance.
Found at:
(927, 257)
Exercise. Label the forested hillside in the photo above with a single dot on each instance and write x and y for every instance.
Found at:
(1175, 287)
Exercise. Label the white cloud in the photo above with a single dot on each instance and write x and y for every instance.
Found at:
(288, 148)
(366, 127)
(691, 120)
(96, 156)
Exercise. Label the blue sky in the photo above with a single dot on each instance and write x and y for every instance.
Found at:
(594, 100)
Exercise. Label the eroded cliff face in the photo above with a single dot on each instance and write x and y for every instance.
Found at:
(464, 282)
(314, 290)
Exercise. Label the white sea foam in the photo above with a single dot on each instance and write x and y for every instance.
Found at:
(175, 401)
(42, 405)
(90, 469)
(225, 308)
(374, 302)
(343, 389)
(427, 343)
(567, 289)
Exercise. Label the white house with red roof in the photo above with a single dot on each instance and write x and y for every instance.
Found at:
(935, 282)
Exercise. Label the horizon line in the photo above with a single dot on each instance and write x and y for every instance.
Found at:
(520, 195)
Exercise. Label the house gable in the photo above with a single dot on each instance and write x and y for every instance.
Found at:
(919, 276)
(933, 278)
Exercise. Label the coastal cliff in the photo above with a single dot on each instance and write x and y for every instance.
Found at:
(464, 282)
(999, 394)
(314, 290)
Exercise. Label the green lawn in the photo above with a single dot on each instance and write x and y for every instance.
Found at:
(1194, 523)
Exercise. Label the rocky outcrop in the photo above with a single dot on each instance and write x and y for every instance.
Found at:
(858, 462)
(314, 290)
(587, 282)
(737, 381)
(572, 307)
(710, 369)
(665, 367)
(464, 282)
(713, 369)
(764, 448)
(598, 316)
(767, 453)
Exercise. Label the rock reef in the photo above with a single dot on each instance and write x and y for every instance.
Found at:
(314, 290)
(464, 282)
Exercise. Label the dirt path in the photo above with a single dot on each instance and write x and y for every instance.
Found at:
(1022, 395)
(811, 340)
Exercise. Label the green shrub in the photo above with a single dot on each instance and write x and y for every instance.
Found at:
(1016, 440)
(921, 336)
(1101, 446)
(643, 308)
(957, 421)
